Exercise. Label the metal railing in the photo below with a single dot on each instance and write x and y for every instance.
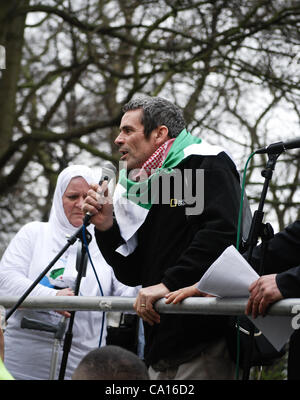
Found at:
(193, 305)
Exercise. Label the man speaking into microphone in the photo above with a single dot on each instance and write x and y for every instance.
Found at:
(154, 235)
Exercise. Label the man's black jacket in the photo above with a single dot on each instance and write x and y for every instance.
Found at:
(177, 249)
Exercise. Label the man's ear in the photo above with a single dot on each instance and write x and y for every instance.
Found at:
(161, 134)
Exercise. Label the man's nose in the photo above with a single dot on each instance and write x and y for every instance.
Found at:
(119, 139)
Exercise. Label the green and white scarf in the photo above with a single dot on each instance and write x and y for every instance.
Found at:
(130, 206)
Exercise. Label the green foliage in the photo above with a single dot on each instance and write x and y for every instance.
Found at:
(277, 371)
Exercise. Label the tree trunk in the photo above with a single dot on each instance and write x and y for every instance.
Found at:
(11, 37)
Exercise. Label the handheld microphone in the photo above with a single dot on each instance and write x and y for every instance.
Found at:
(108, 173)
(279, 147)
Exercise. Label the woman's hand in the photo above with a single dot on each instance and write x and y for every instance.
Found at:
(65, 292)
(178, 295)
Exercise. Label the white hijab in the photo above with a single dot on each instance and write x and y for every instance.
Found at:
(58, 228)
(58, 221)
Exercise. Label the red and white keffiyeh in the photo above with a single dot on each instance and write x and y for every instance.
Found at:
(155, 160)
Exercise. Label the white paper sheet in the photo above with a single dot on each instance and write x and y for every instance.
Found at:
(230, 276)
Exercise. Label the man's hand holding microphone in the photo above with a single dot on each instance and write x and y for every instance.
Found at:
(98, 205)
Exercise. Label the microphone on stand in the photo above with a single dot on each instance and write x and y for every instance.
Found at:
(108, 173)
(279, 147)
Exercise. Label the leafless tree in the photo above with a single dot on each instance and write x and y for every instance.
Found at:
(232, 66)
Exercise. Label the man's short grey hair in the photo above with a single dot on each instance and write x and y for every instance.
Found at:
(157, 111)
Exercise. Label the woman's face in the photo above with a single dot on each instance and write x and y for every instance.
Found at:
(73, 198)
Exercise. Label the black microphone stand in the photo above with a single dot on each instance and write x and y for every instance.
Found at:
(70, 241)
(265, 231)
(81, 268)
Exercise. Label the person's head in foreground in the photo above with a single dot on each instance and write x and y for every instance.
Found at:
(111, 363)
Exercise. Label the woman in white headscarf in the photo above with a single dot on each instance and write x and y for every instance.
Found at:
(28, 353)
